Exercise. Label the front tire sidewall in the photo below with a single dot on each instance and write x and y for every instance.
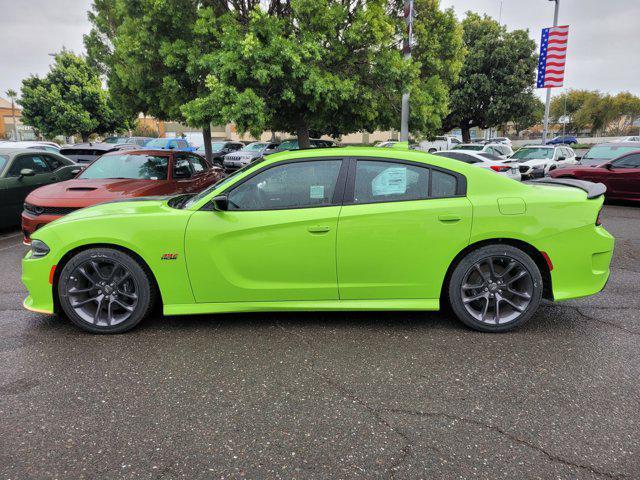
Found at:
(137, 272)
(455, 283)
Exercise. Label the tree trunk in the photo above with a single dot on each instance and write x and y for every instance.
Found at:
(302, 130)
(206, 136)
(15, 126)
(466, 134)
(85, 137)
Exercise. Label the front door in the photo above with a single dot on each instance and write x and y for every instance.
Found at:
(402, 227)
(276, 241)
(624, 177)
(18, 186)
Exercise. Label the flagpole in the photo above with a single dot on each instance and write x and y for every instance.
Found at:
(404, 116)
(547, 103)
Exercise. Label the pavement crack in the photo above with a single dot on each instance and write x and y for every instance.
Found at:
(406, 449)
(599, 320)
(503, 432)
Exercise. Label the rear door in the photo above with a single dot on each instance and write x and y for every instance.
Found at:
(400, 226)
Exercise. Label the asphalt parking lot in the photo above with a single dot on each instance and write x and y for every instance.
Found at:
(327, 395)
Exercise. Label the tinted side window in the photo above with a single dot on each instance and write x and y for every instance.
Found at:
(54, 163)
(630, 161)
(181, 167)
(443, 184)
(387, 182)
(34, 162)
(198, 164)
(292, 185)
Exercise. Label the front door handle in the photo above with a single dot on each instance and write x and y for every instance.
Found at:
(318, 229)
(449, 218)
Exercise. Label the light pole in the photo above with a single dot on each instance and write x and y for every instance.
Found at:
(547, 103)
(406, 50)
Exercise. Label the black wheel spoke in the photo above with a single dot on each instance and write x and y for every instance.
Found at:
(102, 291)
(493, 279)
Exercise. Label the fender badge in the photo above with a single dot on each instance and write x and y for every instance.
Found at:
(169, 256)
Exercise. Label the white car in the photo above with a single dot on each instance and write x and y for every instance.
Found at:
(504, 140)
(536, 161)
(484, 160)
(500, 150)
(445, 142)
(34, 145)
(634, 138)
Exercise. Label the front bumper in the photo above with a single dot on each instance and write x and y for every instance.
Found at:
(36, 273)
(30, 223)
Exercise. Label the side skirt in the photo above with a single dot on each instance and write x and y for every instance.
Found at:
(302, 306)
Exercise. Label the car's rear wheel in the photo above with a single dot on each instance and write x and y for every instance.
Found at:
(103, 290)
(495, 288)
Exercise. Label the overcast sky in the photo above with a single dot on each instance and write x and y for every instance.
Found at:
(603, 53)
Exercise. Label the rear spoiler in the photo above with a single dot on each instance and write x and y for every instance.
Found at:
(593, 190)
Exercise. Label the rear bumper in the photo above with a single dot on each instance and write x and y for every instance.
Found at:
(581, 259)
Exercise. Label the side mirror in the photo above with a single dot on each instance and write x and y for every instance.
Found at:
(221, 202)
(561, 158)
(27, 172)
(578, 158)
(608, 166)
(76, 171)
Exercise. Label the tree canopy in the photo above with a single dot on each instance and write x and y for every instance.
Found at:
(69, 100)
(596, 112)
(324, 66)
(497, 76)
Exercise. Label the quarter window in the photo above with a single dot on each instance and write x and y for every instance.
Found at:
(292, 185)
(387, 182)
(443, 184)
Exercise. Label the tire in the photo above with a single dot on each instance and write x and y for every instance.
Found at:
(484, 288)
(101, 300)
(431, 150)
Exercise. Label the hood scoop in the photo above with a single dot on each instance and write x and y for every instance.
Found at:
(81, 189)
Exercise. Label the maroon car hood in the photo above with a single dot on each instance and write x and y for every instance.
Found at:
(82, 193)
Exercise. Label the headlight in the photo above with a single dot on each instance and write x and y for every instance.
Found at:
(38, 249)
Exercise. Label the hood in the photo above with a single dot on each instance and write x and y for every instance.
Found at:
(535, 162)
(85, 192)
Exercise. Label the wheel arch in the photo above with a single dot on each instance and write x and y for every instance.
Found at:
(71, 253)
(535, 254)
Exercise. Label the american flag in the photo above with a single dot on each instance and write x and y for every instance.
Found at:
(553, 53)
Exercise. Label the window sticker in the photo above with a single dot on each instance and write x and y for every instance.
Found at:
(316, 191)
(390, 182)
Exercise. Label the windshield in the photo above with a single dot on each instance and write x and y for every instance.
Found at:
(525, 154)
(468, 147)
(156, 142)
(215, 147)
(114, 139)
(289, 145)
(145, 167)
(607, 152)
(220, 183)
(254, 147)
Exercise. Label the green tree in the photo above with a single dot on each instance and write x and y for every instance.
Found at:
(579, 107)
(69, 100)
(12, 94)
(324, 66)
(627, 107)
(498, 71)
(528, 111)
(151, 53)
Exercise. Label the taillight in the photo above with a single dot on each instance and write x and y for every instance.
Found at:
(500, 168)
(599, 218)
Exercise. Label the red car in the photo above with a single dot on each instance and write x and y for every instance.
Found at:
(621, 176)
(119, 175)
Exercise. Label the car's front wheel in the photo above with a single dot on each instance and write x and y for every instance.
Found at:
(104, 290)
(495, 288)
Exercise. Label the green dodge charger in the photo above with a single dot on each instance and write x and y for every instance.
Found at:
(328, 229)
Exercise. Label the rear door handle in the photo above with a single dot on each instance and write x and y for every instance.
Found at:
(319, 229)
(449, 218)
